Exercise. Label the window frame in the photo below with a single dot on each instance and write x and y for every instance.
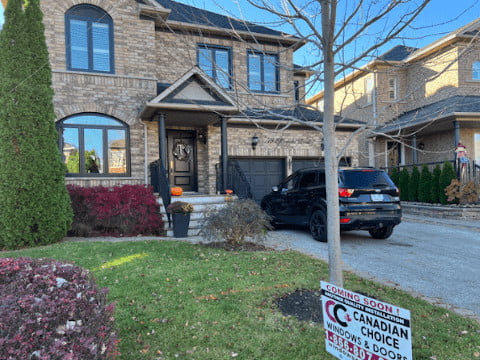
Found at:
(369, 89)
(85, 12)
(262, 55)
(214, 49)
(392, 88)
(61, 126)
(476, 71)
(296, 91)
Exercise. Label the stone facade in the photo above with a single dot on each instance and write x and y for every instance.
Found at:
(440, 71)
(149, 53)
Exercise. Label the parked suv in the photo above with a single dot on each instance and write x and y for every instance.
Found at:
(369, 200)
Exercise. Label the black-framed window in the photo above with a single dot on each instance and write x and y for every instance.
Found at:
(296, 90)
(89, 39)
(263, 73)
(95, 145)
(216, 62)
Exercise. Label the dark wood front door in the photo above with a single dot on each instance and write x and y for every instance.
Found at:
(181, 160)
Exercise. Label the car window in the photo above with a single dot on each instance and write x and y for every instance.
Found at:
(291, 182)
(359, 179)
(308, 180)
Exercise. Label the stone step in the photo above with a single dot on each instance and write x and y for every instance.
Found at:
(201, 205)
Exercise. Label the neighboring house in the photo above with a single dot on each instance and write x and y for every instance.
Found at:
(420, 102)
(140, 80)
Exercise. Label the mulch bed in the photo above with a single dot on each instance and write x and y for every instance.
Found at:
(245, 246)
(304, 304)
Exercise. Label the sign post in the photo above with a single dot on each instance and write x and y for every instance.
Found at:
(358, 327)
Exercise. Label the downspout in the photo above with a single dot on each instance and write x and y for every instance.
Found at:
(145, 152)
(224, 151)
(371, 140)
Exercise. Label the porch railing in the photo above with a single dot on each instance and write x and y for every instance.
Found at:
(160, 184)
(236, 180)
(466, 173)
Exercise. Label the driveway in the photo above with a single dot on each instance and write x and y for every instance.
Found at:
(434, 259)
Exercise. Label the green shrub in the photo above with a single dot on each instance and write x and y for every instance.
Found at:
(403, 184)
(435, 187)
(446, 177)
(236, 221)
(34, 203)
(425, 185)
(413, 184)
(395, 176)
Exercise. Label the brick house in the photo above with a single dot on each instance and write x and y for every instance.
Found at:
(420, 102)
(142, 85)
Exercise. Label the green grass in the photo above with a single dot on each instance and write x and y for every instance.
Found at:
(176, 300)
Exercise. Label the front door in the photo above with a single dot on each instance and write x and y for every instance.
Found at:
(181, 159)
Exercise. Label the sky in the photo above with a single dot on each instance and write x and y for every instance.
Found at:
(438, 18)
(443, 15)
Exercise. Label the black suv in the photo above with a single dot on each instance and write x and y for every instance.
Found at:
(369, 200)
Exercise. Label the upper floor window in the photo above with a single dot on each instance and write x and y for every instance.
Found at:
(94, 144)
(392, 88)
(476, 70)
(89, 39)
(216, 62)
(296, 90)
(369, 89)
(263, 72)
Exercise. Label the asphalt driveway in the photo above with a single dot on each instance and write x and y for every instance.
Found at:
(434, 259)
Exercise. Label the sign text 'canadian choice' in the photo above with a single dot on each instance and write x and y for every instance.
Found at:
(361, 328)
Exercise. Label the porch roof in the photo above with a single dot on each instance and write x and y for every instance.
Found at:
(452, 108)
(194, 91)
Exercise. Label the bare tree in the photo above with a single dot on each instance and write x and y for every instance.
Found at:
(364, 26)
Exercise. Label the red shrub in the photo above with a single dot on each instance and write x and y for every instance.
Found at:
(120, 210)
(52, 310)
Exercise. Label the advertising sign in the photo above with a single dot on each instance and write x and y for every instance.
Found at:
(358, 327)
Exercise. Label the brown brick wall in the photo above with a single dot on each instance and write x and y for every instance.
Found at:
(144, 56)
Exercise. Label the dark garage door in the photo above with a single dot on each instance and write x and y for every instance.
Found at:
(262, 174)
(301, 163)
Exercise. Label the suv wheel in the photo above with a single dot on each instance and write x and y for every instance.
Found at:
(381, 233)
(318, 226)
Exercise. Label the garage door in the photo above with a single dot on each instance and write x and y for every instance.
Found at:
(301, 163)
(262, 174)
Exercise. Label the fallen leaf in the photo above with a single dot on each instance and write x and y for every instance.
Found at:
(476, 354)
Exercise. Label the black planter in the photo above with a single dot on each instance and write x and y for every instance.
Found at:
(180, 224)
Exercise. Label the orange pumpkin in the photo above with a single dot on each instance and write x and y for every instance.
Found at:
(176, 191)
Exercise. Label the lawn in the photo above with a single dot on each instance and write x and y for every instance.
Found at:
(176, 300)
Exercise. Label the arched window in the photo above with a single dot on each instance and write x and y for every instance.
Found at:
(476, 70)
(95, 145)
(89, 39)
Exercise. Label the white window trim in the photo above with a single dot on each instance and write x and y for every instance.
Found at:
(392, 88)
(369, 93)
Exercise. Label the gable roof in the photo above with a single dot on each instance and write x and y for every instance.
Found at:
(187, 15)
(194, 91)
(397, 53)
(447, 108)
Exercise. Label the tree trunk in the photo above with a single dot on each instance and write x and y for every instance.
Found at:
(331, 162)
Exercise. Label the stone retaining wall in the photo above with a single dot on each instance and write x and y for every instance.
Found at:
(468, 212)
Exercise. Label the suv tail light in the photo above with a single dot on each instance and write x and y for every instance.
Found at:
(342, 192)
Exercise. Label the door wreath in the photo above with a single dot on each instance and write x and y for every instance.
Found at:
(182, 151)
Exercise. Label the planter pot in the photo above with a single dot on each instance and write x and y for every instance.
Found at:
(180, 225)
